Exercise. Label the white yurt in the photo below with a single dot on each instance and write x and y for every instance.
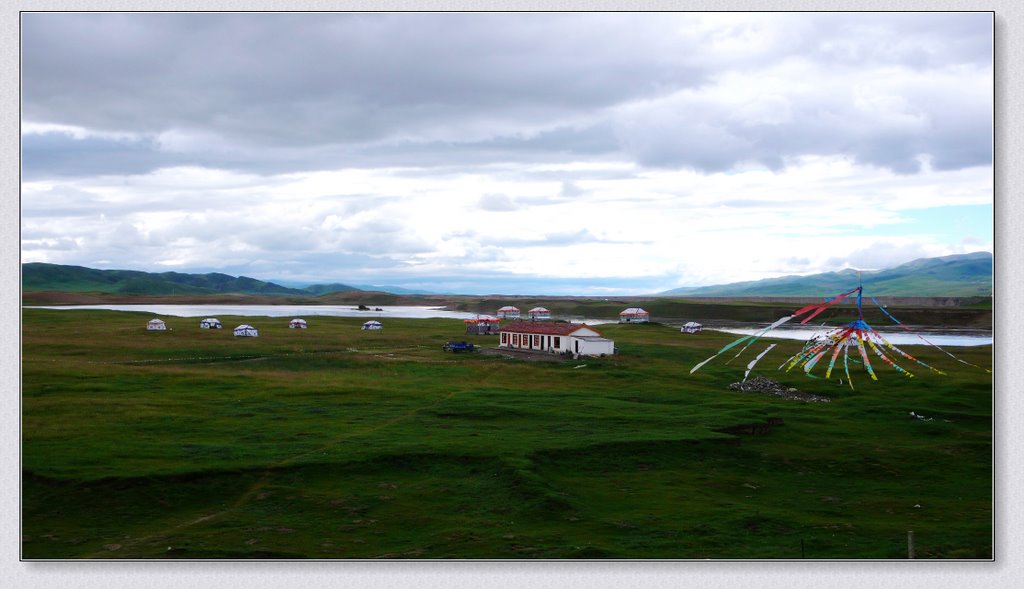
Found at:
(246, 331)
(210, 323)
(156, 325)
(691, 327)
(508, 312)
(373, 325)
(539, 314)
(297, 324)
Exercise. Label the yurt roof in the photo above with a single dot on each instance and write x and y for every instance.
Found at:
(156, 321)
(634, 311)
(509, 308)
(540, 310)
(372, 322)
(297, 320)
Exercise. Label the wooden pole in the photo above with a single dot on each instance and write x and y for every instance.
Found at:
(910, 544)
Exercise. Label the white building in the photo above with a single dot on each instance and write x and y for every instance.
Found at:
(691, 327)
(156, 325)
(246, 331)
(297, 324)
(634, 315)
(539, 314)
(210, 323)
(555, 338)
(508, 312)
(373, 325)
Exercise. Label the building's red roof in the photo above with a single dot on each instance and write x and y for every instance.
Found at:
(544, 328)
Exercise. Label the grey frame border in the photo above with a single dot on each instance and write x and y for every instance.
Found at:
(1004, 571)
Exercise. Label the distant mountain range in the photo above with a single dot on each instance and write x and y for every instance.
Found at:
(38, 276)
(948, 276)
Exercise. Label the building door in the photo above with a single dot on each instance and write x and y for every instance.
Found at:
(577, 342)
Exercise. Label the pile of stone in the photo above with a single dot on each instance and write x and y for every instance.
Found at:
(761, 384)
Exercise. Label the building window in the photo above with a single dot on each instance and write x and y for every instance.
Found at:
(504, 338)
(536, 341)
(558, 342)
(515, 340)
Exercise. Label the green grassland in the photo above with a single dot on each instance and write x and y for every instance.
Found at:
(334, 442)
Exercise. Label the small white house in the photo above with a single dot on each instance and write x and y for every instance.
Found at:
(691, 327)
(539, 314)
(555, 338)
(297, 324)
(373, 324)
(210, 323)
(246, 331)
(634, 315)
(156, 325)
(508, 312)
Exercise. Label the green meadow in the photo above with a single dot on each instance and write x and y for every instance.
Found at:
(338, 443)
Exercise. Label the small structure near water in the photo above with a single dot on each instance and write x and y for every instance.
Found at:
(246, 331)
(373, 324)
(691, 327)
(156, 325)
(210, 323)
(508, 312)
(482, 325)
(634, 315)
(539, 314)
(297, 324)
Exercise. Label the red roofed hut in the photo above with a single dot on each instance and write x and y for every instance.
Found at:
(634, 315)
(508, 312)
(482, 325)
(555, 338)
(539, 314)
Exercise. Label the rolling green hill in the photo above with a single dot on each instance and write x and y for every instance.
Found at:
(949, 276)
(37, 276)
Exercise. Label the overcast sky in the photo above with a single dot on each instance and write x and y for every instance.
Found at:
(506, 153)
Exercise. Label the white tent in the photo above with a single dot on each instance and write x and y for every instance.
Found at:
(691, 327)
(210, 323)
(156, 325)
(634, 315)
(508, 312)
(373, 325)
(246, 331)
(297, 324)
(539, 314)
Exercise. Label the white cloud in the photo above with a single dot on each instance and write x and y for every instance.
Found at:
(665, 149)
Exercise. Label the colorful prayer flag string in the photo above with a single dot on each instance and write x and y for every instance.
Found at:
(857, 334)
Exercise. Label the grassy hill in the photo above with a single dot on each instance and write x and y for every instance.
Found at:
(949, 276)
(37, 276)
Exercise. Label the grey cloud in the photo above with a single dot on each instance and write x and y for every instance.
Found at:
(570, 189)
(553, 239)
(877, 256)
(278, 92)
(497, 203)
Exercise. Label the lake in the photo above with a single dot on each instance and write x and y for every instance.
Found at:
(941, 337)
